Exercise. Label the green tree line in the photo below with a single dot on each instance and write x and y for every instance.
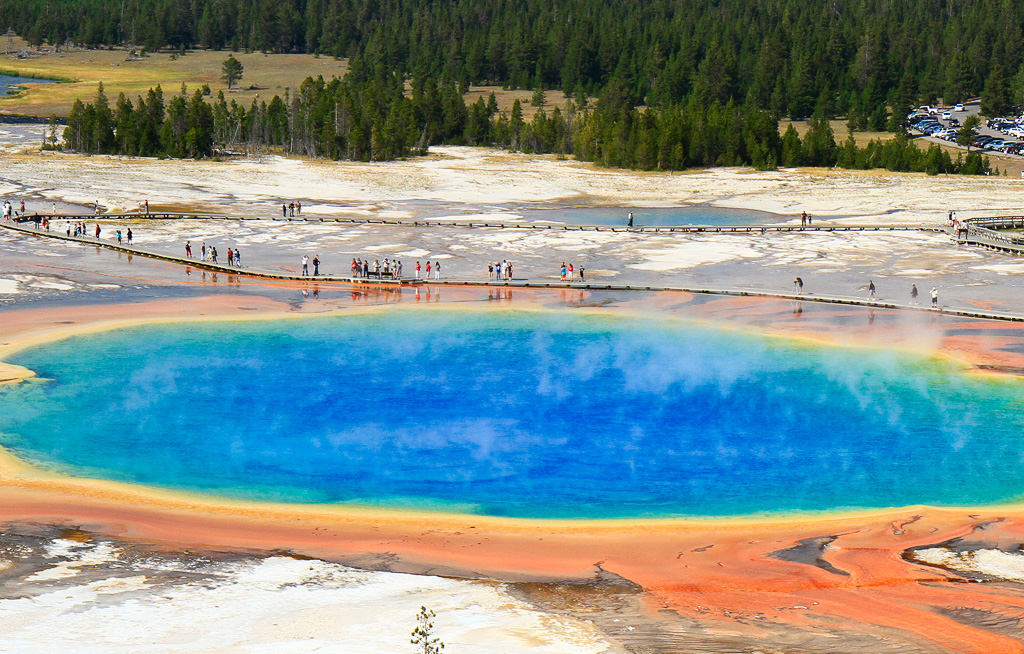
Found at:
(379, 120)
(792, 57)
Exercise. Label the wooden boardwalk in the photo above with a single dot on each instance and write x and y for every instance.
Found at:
(479, 224)
(516, 283)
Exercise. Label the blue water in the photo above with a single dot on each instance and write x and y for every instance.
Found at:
(517, 414)
(7, 81)
(654, 217)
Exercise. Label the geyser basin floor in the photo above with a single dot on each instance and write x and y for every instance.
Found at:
(516, 413)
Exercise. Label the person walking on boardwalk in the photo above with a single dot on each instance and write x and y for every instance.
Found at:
(572, 272)
(118, 237)
(130, 235)
(202, 252)
(298, 208)
(935, 297)
(284, 210)
(231, 257)
(630, 223)
(97, 230)
(913, 293)
(871, 288)
(145, 203)
(238, 258)
(316, 265)
(581, 273)
(213, 254)
(428, 270)
(291, 209)
(437, 270)
(564, 271)
(305, 265)
(417, 273)
(188, 249)
(798, 286)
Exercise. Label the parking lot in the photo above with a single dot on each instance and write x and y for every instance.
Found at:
(993, 136)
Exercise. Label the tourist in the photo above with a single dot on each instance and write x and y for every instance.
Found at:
(935, 297)
(231, 257)
(437, 270)
(188, 249)
(366, 267)
(798, 285)
(97, 230)
(581, 273)
(490, 271)
(22, 212)
(69, 229)
(284, 210)
(810, 220)
(213, 254)
(871, 288)
(305, 265)
(417, 273)
(119, 237)
(508, 270)
(913, 292)
(146, 205)
(564, 271)
(298, 208)
(129, 236)
(291, 209)
(202, 252)
(353, 268)
(572, 272)
(428, 269)
(398, 270)
(238, 258)
(316, 265)
(630, 223)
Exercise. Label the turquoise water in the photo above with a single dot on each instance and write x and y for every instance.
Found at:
(517, 414)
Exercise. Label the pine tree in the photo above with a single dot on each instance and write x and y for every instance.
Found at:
(423, 634)
(231, 71)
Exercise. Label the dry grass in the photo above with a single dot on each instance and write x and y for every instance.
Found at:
(839, 129)
(506, 99)
(270, 73)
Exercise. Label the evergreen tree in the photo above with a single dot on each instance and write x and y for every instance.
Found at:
(995, 99)
(231, 71)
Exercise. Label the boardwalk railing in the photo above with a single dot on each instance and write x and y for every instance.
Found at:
(984, 232)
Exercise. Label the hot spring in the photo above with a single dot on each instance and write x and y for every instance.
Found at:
(516, 413)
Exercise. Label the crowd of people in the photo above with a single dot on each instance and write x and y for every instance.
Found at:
(363, 269)
(210, 254)
(292, 209)
(499, 271)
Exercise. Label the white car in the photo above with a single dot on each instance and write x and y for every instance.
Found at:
(958, 107)
(946, 115)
